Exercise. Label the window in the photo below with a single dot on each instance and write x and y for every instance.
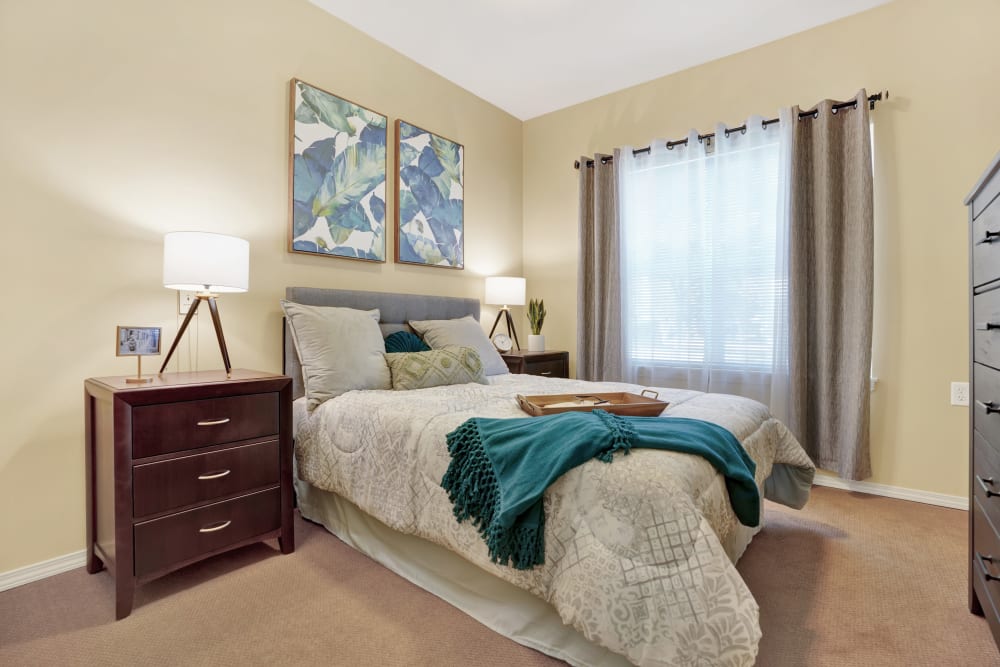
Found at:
(703, 267)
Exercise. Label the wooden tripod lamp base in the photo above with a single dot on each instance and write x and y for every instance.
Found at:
(511, 331)
(210, 298)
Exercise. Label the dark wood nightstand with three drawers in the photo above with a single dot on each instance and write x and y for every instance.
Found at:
(550, 363)
(183, 468)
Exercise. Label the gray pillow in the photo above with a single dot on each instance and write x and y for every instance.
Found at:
(464, 332)
(340, 349)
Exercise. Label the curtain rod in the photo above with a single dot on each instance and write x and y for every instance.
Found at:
(814, 113)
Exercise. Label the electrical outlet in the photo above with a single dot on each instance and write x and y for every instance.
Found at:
(959, 393)
(184, 301)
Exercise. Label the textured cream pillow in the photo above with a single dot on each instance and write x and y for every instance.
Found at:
(464, 332)
(340, 349)
(435, 368)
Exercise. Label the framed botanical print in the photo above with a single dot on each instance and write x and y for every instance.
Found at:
(430, 198)
(336, 176)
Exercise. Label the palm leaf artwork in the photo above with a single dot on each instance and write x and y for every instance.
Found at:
(338, 176)
(430, 211)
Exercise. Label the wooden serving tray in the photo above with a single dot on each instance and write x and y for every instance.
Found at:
(620, 403)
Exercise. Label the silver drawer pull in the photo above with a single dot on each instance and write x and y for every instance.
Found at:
(987, 326)
(989, 238)
(213, 422)
(986, 573)
(214, 475)
(989, 406)
(983, 481)
(213, 527)
(546, 373)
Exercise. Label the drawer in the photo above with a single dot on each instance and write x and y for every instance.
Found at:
(986, 477)
(556, 368)
(986, 327)
(986, 256)
(174, 539)
(986, 545)
(986, 403)
(173, 427)
(187, 480)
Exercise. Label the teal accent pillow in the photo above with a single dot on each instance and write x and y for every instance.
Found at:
(434, 368)
(404, 341)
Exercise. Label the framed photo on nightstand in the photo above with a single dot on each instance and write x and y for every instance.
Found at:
(138, 341)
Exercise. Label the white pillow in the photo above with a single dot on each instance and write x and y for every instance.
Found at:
(340, 349)
(464, 332)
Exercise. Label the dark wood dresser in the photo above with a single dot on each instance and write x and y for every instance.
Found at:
(984, 421)
(183, 468)
(551, 363)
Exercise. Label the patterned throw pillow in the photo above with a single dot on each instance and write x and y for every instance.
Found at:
(404, 341)
(445, 365)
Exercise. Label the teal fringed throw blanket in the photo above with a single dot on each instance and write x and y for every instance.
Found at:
(500, 469)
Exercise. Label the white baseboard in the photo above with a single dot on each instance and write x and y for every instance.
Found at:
(902, 493)
(47, 568)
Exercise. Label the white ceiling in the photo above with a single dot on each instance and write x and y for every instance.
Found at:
(530, 57)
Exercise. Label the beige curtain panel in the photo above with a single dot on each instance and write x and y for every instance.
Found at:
(830, 286)
(598, 319)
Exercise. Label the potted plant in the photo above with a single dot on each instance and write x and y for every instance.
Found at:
(536, 317)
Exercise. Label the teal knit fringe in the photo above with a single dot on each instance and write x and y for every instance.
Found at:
(622, 435)
(474, 491)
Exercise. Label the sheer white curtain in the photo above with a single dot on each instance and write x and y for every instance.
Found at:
(704, 257)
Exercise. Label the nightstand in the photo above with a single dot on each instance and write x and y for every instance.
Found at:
(550, 363)
(183, 468)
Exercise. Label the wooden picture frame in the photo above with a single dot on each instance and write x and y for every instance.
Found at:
(336, 176)
(430, 198)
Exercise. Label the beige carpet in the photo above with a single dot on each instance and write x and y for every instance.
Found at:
(851, 580)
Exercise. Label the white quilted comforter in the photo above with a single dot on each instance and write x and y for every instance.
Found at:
(639, 553)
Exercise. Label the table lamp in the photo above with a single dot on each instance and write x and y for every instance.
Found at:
(505, 291)
(207, 264)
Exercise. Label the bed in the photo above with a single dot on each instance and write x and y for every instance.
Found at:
(640, 553)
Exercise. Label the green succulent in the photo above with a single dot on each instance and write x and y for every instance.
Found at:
(536, 315)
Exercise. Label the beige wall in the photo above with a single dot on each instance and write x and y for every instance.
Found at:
(120, 121)
(933, 138)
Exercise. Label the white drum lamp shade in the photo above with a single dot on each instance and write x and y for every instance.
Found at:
(505, 291)
(202, 261)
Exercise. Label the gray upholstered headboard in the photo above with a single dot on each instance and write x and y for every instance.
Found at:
(396, 310)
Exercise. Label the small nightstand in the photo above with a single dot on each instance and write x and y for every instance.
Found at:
(183, 468)
(550, 363)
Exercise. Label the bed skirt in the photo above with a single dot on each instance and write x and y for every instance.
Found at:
(500, 606)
